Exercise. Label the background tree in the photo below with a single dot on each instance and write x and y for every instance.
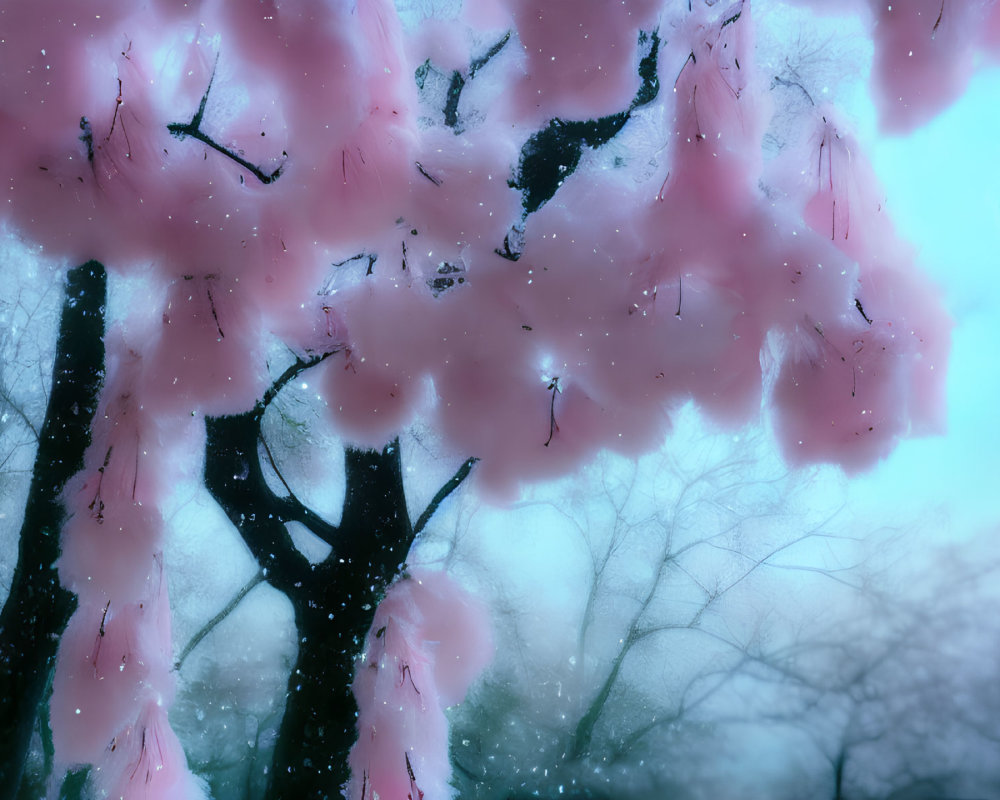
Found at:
(822, 664)
(882, 688)
(675, 556)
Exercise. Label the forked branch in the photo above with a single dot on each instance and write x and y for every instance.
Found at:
(193, 129)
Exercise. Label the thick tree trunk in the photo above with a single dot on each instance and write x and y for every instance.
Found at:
(318, 726)
(838, 775)
(333, 612)
(334, 601)
(38, 608)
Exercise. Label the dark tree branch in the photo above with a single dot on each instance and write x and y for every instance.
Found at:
(5, 396)
(274, 466)
(553, 153)
(209, 626)
(290, 509)
(553, 426)
(294, 509)
(426, 174)
(478, 63)
(234, 477)
(300, 365)
(442, 494)
(193, 129)
(458, 82)
(377, 527)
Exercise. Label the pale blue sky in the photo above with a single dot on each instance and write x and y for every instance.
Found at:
(943, 188)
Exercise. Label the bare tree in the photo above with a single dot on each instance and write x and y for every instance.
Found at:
(673, 554)
(880, 687)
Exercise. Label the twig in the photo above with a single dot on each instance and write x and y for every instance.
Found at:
(451, 485)
(193, 129)
(300, 365)
(210, 625)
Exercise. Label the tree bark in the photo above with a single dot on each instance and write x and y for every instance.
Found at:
(38, 608)
(334, 601)
(334, 609)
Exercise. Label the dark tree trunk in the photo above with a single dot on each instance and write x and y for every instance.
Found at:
(333, 612)
(838, 775)
(318, 726)
(38, 608)
(334, 601)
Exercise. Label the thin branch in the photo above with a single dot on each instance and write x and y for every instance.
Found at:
(779, 81)
(426, 174)
(478, 63)
(19, 411)
(209, 626)
(274, 466)
(193, 129)
(553, 426)
(300, 365)
(450, 486)
(291, 509)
